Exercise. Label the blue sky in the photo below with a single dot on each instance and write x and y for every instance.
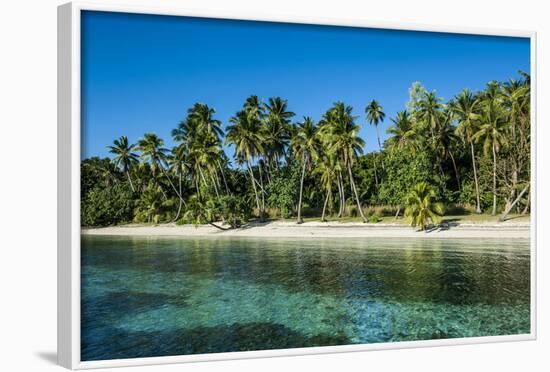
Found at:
(140, 73)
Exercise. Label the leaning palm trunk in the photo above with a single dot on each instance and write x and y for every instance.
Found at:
(262, 188)
(130, 180)
(181, 201)
(355, 192)
(339, 199)
(325, 206)
(301, 191)
(398, 210)
(478, 207)
(505, 214)
(212, 178)
(160, 187)
(255, 190)
(172, 184)
(494, 212)
(342, 195)
(224, 179)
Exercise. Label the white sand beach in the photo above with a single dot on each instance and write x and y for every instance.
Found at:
(284, 229)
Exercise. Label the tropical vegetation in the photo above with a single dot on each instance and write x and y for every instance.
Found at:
(470, 153)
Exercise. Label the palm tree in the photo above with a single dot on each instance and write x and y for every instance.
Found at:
(402, 132)
(375, 115)
(422, 207)
(429, 113)
(245, 134)
(343, 138)
(152, 150)
(305, 145)
(124, 157)
(465, 107)
(204, 117)
(277, 130)
(446, 140)
(430, 109)
(492, 132)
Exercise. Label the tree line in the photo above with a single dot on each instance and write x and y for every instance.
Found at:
(471, 153)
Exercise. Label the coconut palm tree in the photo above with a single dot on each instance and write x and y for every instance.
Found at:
(305, 145)
(343, 138)
(124, 157)
(203, 115)
(152, 151)
(429, 115)
(429, 111)
(246, 135)
(465, 106)
(277, 130)
(422, 207)
(446, 140)
(492, 131)
(402, 132)
(375, 115)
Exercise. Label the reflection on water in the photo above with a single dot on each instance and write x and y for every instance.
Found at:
(144, 297)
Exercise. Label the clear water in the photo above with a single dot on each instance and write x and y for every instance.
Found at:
(144, 297)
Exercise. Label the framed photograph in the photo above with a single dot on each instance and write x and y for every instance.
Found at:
(243, 186)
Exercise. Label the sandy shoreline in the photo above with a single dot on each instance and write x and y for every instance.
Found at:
(279, 229)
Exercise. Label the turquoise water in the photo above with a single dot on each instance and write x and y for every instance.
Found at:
(144, 297)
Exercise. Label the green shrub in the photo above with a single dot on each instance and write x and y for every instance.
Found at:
(107, 206)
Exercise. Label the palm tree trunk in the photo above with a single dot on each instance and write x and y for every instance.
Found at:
(375, 173)
(301, 191)
(171, 183)
(262, 187)
(339, 198)
(130, 180)
(505, 214)
(181, 201)
(224, 179)
(325, 207)
(379, 145)
(455, 169)
(161, 189)
(196, 182)
(478, 207)
(215, 185)
(342, 195)
(398, 210)
(494, 212)
(355, 191)
(255, 190)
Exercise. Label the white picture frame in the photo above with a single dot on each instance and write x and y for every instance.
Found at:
(69, 184)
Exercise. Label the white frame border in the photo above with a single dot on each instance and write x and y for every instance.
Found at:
(68, 298)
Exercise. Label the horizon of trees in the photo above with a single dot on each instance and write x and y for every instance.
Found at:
(471, 153)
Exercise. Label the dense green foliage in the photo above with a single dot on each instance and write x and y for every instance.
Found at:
(471, 153)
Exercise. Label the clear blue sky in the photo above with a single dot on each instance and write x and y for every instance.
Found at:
(140, 73)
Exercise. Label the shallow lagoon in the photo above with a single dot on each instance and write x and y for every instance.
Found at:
(144, 297)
